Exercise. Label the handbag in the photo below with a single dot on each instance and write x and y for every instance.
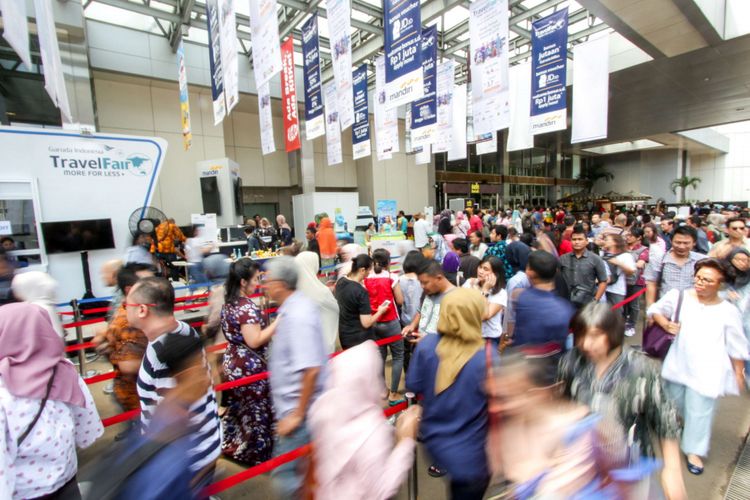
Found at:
(28, 430)
(656, 340)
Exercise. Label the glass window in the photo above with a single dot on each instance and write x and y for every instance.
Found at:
(473, 159)
(18, 224)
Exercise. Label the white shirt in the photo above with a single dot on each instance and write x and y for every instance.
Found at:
(47, 458)
(493, 328)
(620, 286)
(421, 228)
(709, 336)
(479, 251)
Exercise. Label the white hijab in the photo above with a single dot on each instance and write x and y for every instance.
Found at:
(309, 284)
(36, 287)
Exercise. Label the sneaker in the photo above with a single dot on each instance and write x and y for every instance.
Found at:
(109, 388)
(436, 471)
(629, 331)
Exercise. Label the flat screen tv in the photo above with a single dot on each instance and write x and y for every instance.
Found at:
(78, 235)
(210, 195)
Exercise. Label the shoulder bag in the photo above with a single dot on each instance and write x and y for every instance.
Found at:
(28, 430)
(656, 340)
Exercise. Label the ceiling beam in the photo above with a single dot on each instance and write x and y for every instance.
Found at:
(700, 22)
(142, 9)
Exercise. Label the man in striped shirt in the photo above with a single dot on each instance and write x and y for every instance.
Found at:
(150, 307)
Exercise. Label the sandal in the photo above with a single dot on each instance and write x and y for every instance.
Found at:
(435, 471)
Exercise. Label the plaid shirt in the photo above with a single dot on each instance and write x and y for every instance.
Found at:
(668, 274)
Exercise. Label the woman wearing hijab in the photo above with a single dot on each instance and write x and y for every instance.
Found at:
(285, 231)
(36, 287)
(326, 242)
(309, 284)
(461, 229)
(46, 410)
(448, 370)
(346, 254)
(444, 228)
(451, 262)
(353, 444)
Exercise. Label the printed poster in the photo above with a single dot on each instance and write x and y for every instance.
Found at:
(361, 128)
(314, 117)
(488, 28)
(386, 120)
(264, 29)
(549, 42)
(229, 50)
(267, 142)
(16, 29)
(214, 60)
(289, 97)
(339, 26)
(403, 54)
(424, 110)
(444, 128)
(333, 130)
(187, 135)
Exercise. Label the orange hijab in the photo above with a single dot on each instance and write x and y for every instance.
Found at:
(326, 239)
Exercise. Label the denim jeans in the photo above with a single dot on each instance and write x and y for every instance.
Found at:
(697, 413)
(385, 330)
(289, 478)
(468, 490)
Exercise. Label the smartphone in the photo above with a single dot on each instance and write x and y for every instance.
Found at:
(386, 303)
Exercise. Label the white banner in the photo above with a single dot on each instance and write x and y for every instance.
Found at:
(590, 90)
(333, 132)
(266, 119)
(488, 28)
(16, 28)
(486, 147)
(458, 134)
(423, 157)
(386, 120)
(54, 80)
(445, 83)
(229, 49)
(407, 131)
(264, 29)
(519, 134)
(339, 27)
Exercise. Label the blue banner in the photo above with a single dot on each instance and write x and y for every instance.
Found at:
(549, 42)
(214, 60)
(314, 120)
(361, 128)
(403, 57)
(424, 110)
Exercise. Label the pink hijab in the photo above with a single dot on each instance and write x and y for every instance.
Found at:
(349, 411)
(29, 350)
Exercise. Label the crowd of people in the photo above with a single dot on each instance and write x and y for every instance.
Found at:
(511, 327)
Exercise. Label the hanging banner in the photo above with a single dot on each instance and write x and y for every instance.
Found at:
(444, 128)
(408, 149)
(264, 29)
(267, 142)
(519, 133)
(386, 120)
(214, 60)
(488, 28)
(423, 157)
(289, 97)
(339, 26)
(549, 56)
(187, 135)
(229, 50)
(314, 119)
(489, 146)
(590, 90)
(361, 129)
(403, 54)
(54, 80)
(16, 29)
(458, 132)
(333, 131)
(424, 110)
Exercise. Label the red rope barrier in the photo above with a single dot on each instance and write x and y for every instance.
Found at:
(217, 347)
(122, 417)
(629, 299)
(79, 347)
(84, 322)
(100, 378)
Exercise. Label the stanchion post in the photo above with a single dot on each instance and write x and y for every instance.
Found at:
(79, 337)
(413, 484)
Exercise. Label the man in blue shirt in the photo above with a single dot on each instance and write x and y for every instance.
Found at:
(542, 317)
(295, 362)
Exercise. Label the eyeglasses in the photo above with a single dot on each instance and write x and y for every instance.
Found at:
(136, 305)
(701, 279)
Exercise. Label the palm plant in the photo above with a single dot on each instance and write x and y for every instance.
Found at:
(683, 183)
(591, 174)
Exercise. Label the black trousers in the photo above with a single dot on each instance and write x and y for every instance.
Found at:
(469, 490)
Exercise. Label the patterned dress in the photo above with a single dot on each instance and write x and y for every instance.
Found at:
(247, 423)
(126, 343)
